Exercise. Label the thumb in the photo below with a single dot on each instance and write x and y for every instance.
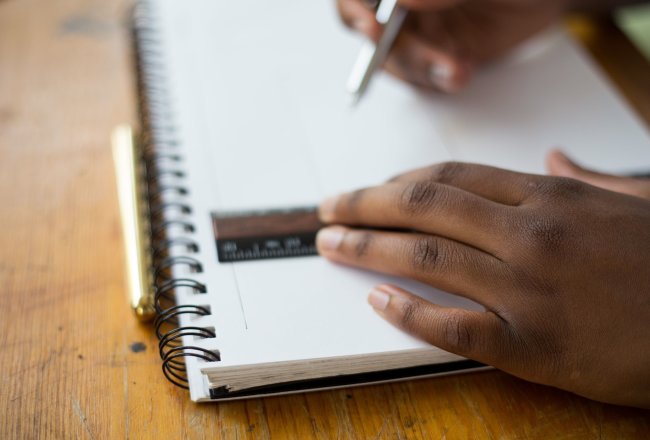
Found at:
(558, 164)
(481, 336)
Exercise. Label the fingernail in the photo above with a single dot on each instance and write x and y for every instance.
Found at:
(440, 76)
(378, 299)
(329, 239)
(326, 209)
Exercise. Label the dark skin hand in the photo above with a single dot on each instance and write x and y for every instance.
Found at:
(562, 268)
(444, 41)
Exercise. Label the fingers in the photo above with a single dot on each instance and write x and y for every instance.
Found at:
(359, 16)
(496, 184)
(482, 336)
(420, 62)
(426, 206)
(559, 164)
(428, 5)
(440, 262)
(411, 59)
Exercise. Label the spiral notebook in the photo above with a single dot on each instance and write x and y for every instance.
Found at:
(246, 126)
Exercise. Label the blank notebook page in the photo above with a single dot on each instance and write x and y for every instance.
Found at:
(258, 93)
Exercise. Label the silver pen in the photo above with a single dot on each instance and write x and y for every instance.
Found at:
(371, 57)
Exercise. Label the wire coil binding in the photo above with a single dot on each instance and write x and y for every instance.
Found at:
(162, 162)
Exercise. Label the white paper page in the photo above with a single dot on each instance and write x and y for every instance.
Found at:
(266, 122)
(549, 94)
(274, 88)
(258, 93)
(271, 118)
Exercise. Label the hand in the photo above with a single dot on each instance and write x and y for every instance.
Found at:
(561, 267)
(444, 40)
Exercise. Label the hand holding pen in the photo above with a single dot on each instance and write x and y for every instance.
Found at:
(391, 16)
(442, 41)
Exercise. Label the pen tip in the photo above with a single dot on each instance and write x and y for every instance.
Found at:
(354, 99)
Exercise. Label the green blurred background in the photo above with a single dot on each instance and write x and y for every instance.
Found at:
(635, 21)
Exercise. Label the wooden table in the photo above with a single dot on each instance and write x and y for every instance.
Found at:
(70, 366)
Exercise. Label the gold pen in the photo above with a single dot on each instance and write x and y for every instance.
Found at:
(134, 222)
(372, 56)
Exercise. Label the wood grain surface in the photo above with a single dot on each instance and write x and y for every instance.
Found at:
(73, 361)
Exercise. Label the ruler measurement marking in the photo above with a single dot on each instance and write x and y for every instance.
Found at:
(265, 234)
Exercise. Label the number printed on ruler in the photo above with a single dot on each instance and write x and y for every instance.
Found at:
(265, 234)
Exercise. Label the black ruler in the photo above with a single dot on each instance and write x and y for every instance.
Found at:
(266, 234)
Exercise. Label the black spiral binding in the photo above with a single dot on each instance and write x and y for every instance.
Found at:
(162, 161)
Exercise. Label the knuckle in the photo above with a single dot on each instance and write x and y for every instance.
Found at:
(349, 203)
(561, 188)
(457, 333)
(362, 244)
(409, 316)
(447, 172)
(425, 254)
(419, 197)
(535, 341)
